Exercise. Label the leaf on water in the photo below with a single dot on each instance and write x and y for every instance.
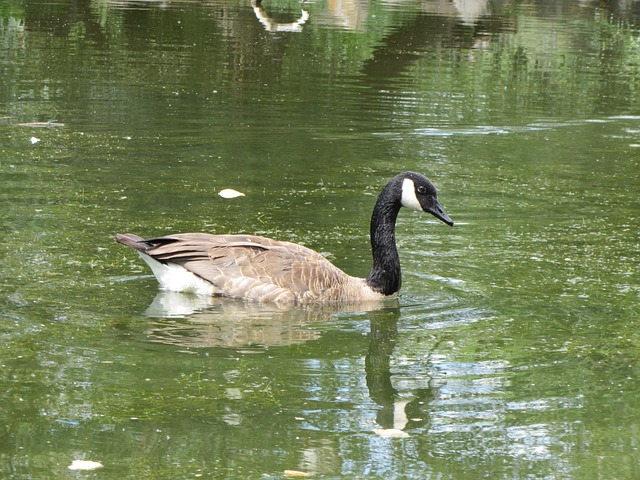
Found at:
(84, 465)
(296, 473)
(34, 140)
(390, 433)
(230, 193)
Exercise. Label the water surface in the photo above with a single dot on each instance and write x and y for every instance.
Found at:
(513, 350)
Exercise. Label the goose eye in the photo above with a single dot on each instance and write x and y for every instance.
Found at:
(421, 189)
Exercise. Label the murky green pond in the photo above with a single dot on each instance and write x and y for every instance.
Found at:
(514, 350)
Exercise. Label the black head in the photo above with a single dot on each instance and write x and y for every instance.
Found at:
(418, 193)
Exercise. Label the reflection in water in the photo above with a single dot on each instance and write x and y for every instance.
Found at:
(202, 321)
(349, 14)
(397, 409)
(273, 26)
(471, 10)
(353, 14)
(198, 321)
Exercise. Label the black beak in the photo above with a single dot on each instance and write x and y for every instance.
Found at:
(437, 211)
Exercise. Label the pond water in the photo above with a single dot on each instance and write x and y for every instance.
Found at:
(513, 351)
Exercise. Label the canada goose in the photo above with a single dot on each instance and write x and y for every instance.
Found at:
(258, 268)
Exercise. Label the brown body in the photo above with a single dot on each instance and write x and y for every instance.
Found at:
(254, 268)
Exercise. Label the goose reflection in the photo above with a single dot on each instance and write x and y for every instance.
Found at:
(273, 26)
(199, 321)
(399, 410)
(195, 321)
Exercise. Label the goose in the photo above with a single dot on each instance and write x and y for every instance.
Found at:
(256, 268)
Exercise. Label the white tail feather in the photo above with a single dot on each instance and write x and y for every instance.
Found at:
(177, 278)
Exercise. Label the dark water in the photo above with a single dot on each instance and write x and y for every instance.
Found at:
(514, 349)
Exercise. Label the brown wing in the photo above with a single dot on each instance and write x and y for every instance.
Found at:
(250, 267)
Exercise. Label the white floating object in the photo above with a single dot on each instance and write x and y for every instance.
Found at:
(34, 140)
(295, 474)
(230, 193)
(85, 465)
(390, 433)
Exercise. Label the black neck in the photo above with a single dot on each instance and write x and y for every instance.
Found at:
(385, 276)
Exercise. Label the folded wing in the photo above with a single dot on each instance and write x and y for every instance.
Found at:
(248, 266)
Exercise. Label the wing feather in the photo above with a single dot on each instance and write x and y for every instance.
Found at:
(251, 267)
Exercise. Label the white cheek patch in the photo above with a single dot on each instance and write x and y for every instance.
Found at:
(409, 198)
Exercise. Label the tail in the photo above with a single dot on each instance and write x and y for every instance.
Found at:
(133, 241)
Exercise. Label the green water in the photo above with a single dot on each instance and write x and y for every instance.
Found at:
(514, 349)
